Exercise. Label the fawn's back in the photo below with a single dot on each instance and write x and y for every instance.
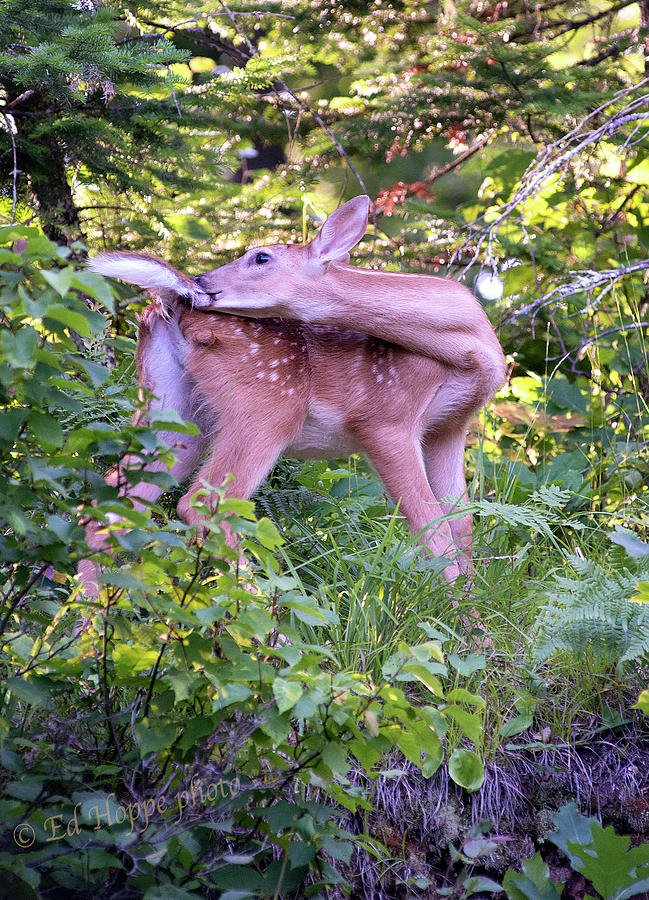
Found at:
(319, 387)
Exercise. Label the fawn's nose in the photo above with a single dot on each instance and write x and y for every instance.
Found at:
(202, 283)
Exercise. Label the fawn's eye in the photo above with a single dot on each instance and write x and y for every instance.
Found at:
(262, 258)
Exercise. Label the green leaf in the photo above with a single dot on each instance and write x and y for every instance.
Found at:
(515, 725)
(19, 349)
(10, 422)
(287, 693)
(268, 535)
(45, 428)
(642, 596)
(96, 286)
(243, 508)
(533, 883)
(476, 884)
(97, 374)
(639, 172)
(29, 692)
(184, 684)
(72, 319)
(154, 739)
(629, 542)
(468, 723)
(59, 279)
(307, 611)
(467, 665)
(608, 864)
(423, 675)
(132, 660)
(461, 695)
(466, 769)
(277, 727)
(643, 703)
(335, 756)
(570, 826)
(568, 395)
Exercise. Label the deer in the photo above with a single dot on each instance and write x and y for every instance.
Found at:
(291, 350)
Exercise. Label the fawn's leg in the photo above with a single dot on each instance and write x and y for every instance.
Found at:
(248, 457)
(161, 370)
(397, 457)
(444, 461)
(188, 453)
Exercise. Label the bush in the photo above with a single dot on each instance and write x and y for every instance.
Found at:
(176, 735)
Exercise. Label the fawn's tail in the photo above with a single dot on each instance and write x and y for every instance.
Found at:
(151, 273)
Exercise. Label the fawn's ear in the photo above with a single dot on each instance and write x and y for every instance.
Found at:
(342, 230)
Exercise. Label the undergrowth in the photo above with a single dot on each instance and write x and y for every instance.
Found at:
(307, 683)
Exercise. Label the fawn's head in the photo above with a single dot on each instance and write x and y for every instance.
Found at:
(265, 276)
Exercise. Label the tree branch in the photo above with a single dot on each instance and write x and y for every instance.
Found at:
(10, 126)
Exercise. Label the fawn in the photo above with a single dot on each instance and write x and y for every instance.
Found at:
(290, 350)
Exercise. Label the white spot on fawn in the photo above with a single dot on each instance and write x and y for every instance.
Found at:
(260, 375)
(273, 376)
(273, 363)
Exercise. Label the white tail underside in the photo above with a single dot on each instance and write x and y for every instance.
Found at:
(152, 274)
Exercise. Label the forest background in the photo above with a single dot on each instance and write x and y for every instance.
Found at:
(376, 748)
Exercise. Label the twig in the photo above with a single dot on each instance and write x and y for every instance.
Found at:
(305, 106)
(468, 153)
(558, 156)
(10, 125)
(573, 24)
(196, 20)
(616, 212)
(577, 283)
(601, 334)
(24, 96)
(334, 140)
(21, 594)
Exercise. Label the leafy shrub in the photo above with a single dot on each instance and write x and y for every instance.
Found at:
(178, 734)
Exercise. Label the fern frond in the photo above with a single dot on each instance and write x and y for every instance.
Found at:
(592, 610)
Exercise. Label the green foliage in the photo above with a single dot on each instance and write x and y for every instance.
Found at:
(601, 856)
(192, 131)
(182, 716)
(593, 611)
(533, 883)
(54, 317)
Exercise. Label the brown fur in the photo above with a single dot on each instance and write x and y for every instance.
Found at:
(343, 359)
